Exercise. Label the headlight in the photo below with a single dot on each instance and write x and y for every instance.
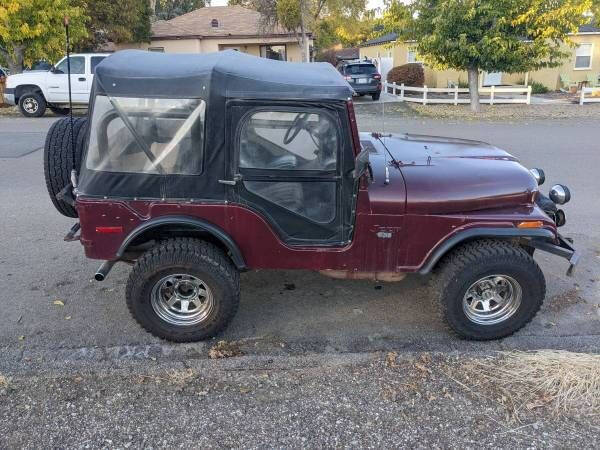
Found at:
(539, 175)
(560, 194)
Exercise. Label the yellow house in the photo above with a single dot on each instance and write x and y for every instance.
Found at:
(583, 66)
(216, 28)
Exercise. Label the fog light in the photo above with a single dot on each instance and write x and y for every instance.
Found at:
(539, 175)
(560, 194)
(560, 218)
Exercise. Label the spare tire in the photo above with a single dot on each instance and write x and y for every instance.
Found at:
(58, 159)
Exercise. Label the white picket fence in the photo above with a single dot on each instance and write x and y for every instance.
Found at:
(589, 90)
(496, 94)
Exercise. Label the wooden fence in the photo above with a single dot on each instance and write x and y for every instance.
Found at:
(495, 95)
(2, 84)
(595, 91)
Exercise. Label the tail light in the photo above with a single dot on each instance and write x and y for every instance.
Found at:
(347, 78)
(377, 76)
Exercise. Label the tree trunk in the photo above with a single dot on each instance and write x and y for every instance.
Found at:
(304, 37)
(474, 89)
(153, 9)
(15, 59)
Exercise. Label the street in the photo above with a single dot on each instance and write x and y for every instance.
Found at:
(56, 319)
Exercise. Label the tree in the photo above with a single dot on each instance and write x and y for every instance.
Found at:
(488, 35)
(169, 9)
(110, 21)
(34, 29)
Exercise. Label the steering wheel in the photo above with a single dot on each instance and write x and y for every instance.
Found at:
(296, 127)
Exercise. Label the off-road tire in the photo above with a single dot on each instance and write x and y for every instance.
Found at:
(475, 260)
(376, 97)
(190, 256)
(38, 98)
(58, 159)
(59, 111)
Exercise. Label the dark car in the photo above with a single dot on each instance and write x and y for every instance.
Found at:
(247, 163)
(363, 77)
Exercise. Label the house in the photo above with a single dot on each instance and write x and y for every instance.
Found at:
(216, 28)
(583, 64)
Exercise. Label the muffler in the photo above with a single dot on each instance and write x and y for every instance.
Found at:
(103, 270)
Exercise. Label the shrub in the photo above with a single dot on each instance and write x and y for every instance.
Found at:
(327, 56)
(538, 88)
(411, 74)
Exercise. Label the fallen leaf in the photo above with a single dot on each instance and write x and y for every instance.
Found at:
(58, 303)
(244, 390)
(68, 318)
(21, 338)
(422, 368)
(390, 359)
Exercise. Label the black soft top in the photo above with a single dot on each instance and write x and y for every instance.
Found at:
(229, 74)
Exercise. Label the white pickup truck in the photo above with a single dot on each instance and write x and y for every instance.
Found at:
(37, 90)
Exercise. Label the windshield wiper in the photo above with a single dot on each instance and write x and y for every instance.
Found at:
(394, 161)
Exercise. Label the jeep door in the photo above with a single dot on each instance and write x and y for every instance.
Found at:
(293, 166)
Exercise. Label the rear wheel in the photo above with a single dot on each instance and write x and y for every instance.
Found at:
(489, 289)
(183, 290)
(32, 104)
(376, 96)
(58, 159)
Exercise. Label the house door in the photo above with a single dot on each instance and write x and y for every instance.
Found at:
(492, 79)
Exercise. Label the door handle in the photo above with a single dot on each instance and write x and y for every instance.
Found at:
(237, 177)
(81, 79)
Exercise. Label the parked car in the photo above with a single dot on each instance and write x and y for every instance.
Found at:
(363, 77)
(247, 163)
(34, 91)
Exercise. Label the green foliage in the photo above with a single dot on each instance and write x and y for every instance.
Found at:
(34, 29)
(491, 35)
(122, 21)
(168, 9)
(536, 87)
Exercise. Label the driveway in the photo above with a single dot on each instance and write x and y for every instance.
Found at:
(301, 309)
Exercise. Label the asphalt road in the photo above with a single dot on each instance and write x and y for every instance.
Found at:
(83, 374)
(37, 267)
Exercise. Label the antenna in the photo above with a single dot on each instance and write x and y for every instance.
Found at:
(73, 171)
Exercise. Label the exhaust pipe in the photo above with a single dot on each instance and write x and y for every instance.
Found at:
(103, 270)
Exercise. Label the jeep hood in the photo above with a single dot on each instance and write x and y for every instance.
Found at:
(448, 175)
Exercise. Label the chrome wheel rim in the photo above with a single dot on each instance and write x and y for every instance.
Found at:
(30, 105)
(182, 300)
(492, 299)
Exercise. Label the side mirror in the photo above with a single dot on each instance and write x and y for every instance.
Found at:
(56, 71)
(362, 165)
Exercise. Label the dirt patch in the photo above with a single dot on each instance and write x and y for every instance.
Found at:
(225, 349)
(559, 302)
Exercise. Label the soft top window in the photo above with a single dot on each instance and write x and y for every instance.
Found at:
(147, 135)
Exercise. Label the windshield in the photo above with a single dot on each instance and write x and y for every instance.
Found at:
(147, 135)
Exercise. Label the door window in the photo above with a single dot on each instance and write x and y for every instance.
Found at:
(95, 60)
(77, 65)
(276, 140)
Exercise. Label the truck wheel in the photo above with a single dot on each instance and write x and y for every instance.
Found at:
(32, 104)
(59, 111)
(58, 161)
(183, 290)
(489, 289)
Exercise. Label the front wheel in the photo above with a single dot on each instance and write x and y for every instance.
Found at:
(489, 289)
(32, 104)
(183, 290)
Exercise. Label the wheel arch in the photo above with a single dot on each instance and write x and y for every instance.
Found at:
(473, 234)
(184, 226)
(24, 88)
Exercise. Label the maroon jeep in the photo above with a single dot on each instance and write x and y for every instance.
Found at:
(194, 168)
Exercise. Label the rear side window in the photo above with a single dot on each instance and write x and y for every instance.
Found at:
(147, 135)
(281, 140)
(361, 69)
(95, 60)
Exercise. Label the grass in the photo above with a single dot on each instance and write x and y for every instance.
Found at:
(564, 382)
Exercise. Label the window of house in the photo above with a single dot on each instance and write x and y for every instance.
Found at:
(412, 56)
(77, 65)
(583, 56)
(214, 23)
(277, 52)
(156, 49)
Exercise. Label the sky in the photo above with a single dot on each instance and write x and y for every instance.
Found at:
(372, 3)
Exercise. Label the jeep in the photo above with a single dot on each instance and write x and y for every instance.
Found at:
(193, 168)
